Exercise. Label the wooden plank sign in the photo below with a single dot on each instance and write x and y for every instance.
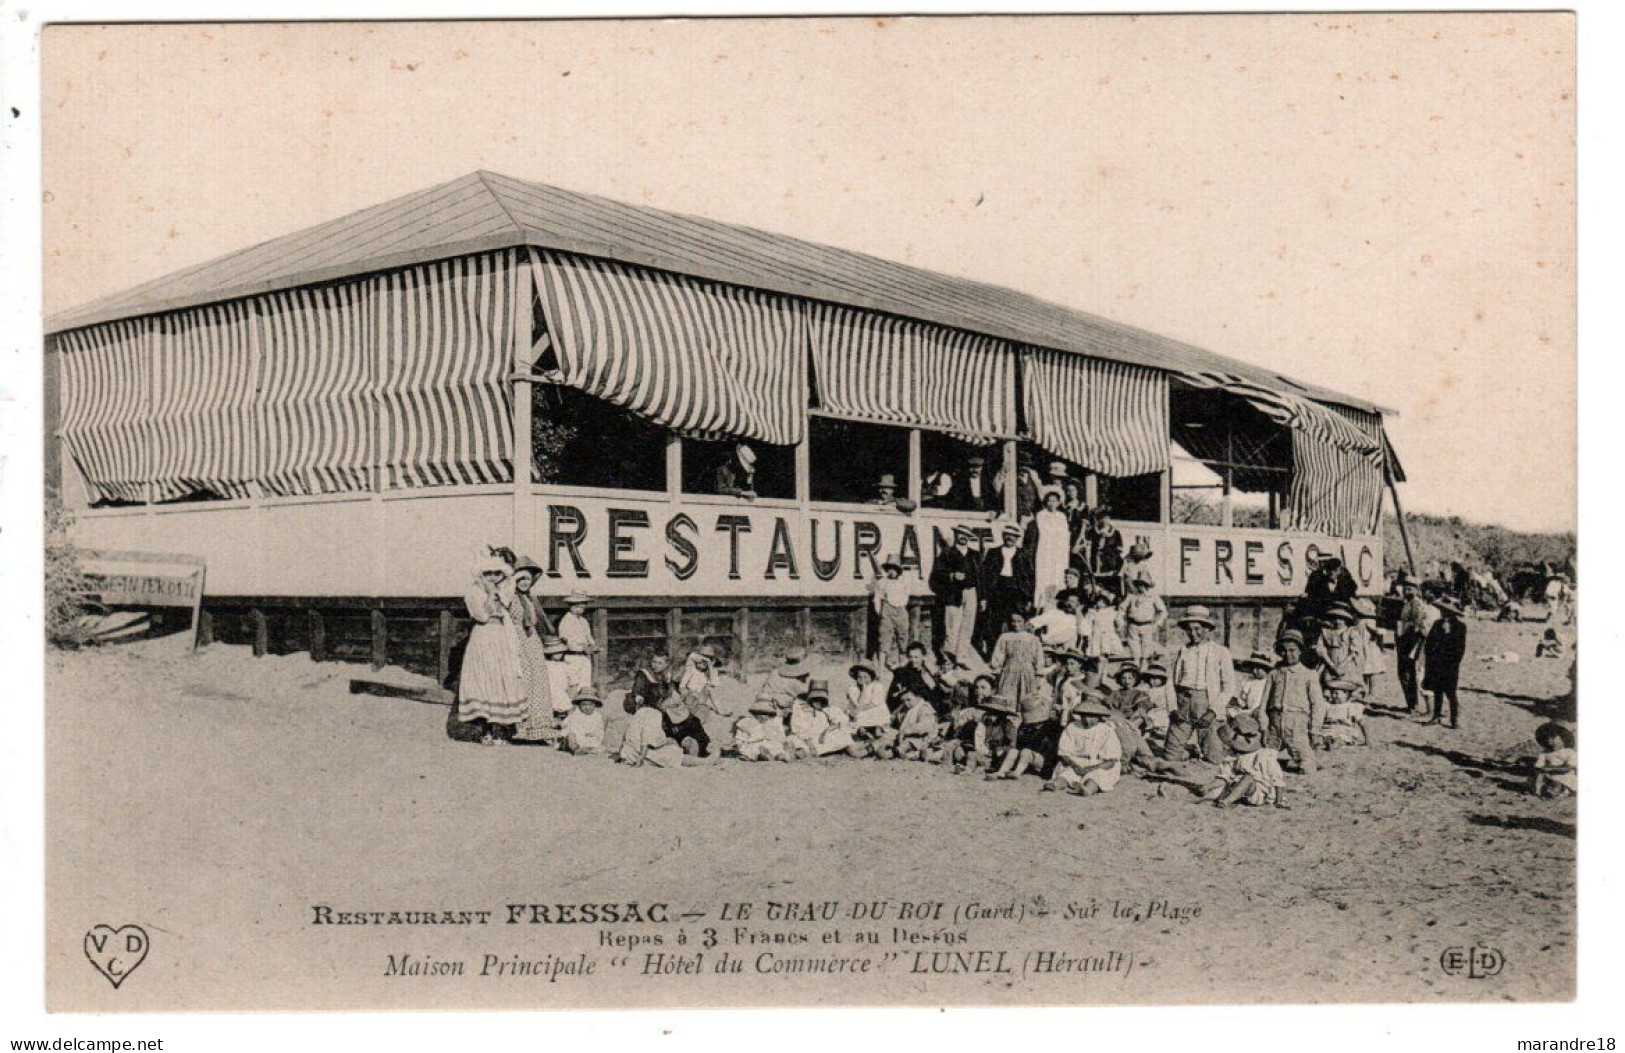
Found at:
(146, 579)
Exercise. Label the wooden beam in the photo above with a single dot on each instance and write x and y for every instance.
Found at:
(380, 639)
(674, 467)
(600, 634)
(915, 466)
(1012, 465)
(205, 628)
(262, 642)
(318, 635)
(445, 630)
(674, 632)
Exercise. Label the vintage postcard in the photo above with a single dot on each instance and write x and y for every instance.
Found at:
(819, 511)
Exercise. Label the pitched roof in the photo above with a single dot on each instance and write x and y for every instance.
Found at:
(485, 211)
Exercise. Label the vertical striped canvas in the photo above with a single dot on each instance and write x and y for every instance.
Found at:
(698, 357)
(1109, 417)
(445, 351)
(105, 407)
(892, 370)
(315, 406)
(203, 435)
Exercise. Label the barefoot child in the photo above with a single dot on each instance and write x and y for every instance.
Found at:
(759, 734)
(1345, 716)
(1557, 766)
(917, 730)
(1089, 756)
(583, 733)
(1252, 775)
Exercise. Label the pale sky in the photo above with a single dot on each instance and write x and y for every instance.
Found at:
(1380, 204)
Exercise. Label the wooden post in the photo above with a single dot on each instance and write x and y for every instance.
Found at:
(741, 636)
(674, 632)
(600, 634)
(674, 467)
(446, 629)
(1399, 513)
(804, 623)
(1012, 465)
(804, 468)
(262, 642)
(380, 639)
(524, 341)
(916, 485)
(857, 626)
(318, 635)
(205, 628)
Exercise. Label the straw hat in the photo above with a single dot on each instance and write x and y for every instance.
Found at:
(764, 707)
(862, 667)
(1128, 667)
(1057, 469)
(887, 480)
(963, 533)
(1341, 684)
(577, 597)
(1154, 671)
(1011, 530)
(1341, 610)
(1292, 636)
(587, 698)
(707, 652)
(1365, 608)
(818, 691)
(1090, 707)
(1198, 615)
(552, 645)
(795, 662)
(525, 564)
(747, 456)
(1447, 604)
(1256, 660)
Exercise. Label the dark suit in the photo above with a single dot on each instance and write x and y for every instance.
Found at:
(1443, 652)
(954, 579)
(1002, 594)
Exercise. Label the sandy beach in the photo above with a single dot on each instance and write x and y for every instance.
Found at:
(217, 799)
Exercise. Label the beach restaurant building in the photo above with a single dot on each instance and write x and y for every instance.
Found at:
(337, 421)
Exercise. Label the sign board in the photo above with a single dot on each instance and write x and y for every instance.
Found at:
(146, 579)
(739, 548)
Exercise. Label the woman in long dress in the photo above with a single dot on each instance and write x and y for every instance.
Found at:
(491, 688)
(1050, 535)
(525, 613)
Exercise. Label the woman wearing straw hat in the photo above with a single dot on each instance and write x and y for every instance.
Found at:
(491, 690)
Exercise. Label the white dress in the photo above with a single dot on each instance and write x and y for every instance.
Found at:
(1052, 556)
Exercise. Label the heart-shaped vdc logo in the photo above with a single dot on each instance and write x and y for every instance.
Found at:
(116, 952)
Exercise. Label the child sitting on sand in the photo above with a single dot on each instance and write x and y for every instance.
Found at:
(917, 728)
(646, 742)
(1252, 773)
(990, 739)
(1154, 679)
(815, 729)
(1255, 671)
(759, 734)
(583, 733)
(1550, 646)
(1557, 772)
(1089, 756)
(1345, 716)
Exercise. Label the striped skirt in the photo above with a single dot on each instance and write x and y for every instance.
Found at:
(492, 685)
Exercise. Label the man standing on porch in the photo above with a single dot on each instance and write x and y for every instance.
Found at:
(953, 583)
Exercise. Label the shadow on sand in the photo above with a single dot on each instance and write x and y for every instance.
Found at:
(1537, 823)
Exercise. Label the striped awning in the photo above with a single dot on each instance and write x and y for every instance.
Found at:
(1332, 490)
(303, 391)
(698, 357)
(204, 369)
(891, 370)
(105, 399)
(1299, 414)
(315, 412)
(446, 337)
(1109, 417)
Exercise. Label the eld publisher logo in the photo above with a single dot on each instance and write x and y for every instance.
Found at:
(1475, 963)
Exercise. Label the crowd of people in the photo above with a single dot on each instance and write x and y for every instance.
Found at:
(1073, 685)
